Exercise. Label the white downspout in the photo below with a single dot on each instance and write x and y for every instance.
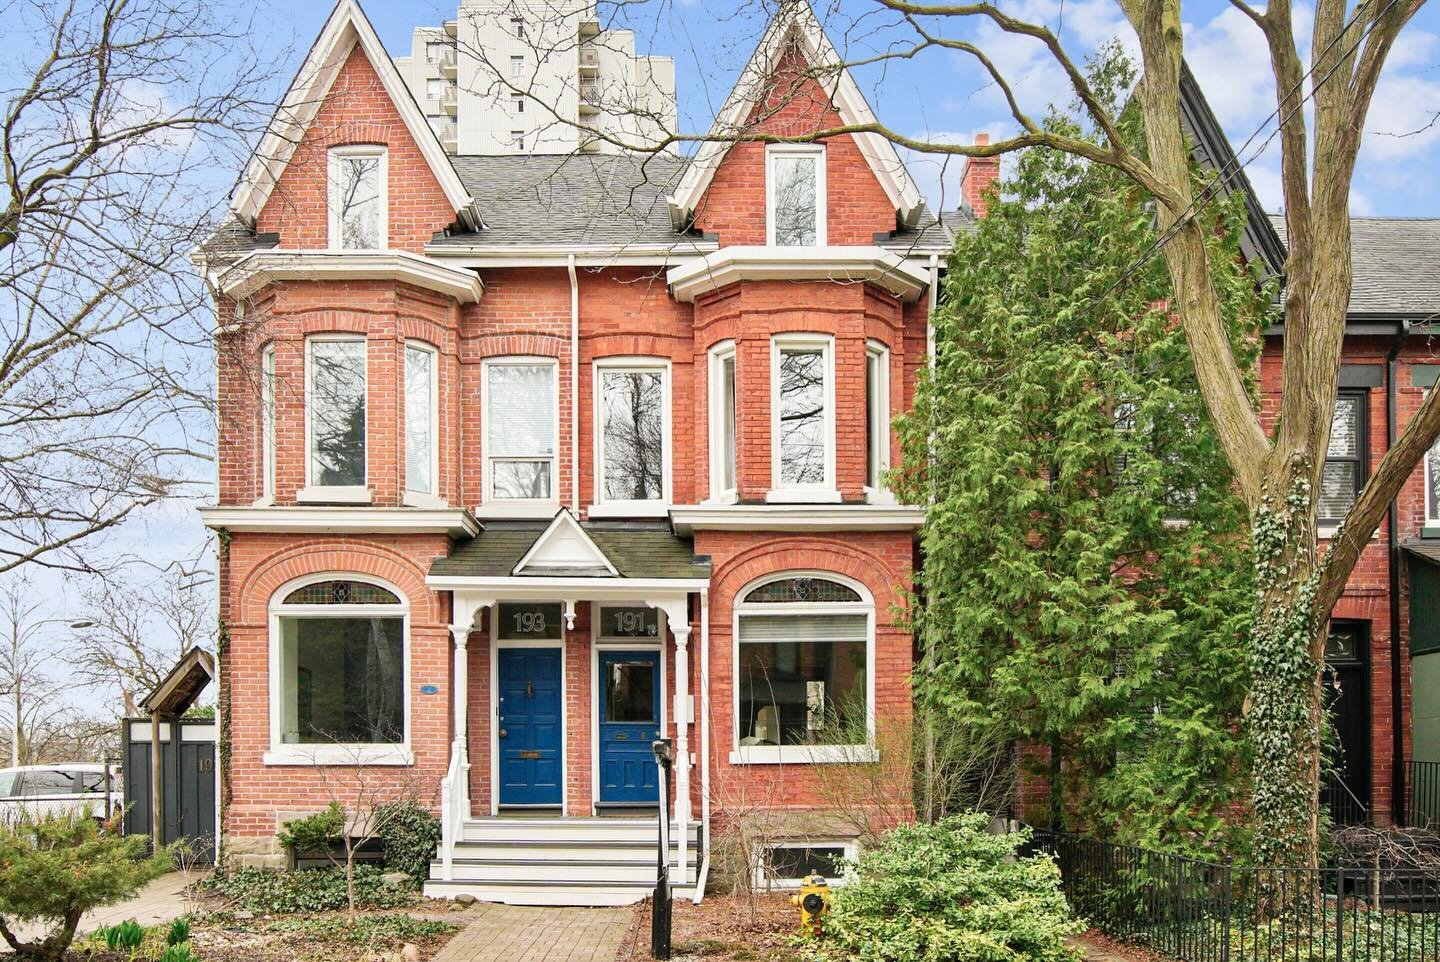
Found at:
(934, 298)
(574, 387)
(703, 718)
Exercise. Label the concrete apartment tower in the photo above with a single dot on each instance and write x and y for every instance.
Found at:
(537, 76)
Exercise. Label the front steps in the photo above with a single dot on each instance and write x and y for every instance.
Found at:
(561, 861)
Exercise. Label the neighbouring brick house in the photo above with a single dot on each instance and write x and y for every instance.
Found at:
(527, 460)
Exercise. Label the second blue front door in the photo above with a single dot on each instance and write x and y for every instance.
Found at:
(629, 689)
(529, 725)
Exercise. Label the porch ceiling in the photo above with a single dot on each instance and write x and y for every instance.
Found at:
(638, 550)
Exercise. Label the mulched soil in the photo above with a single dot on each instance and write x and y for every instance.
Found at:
(723, 928)
(1099, 947)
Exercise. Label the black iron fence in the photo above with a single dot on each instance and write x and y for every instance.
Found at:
(1201, 911)
(1422, 802)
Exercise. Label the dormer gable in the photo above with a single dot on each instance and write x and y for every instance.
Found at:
(348, 92)
(564, 549)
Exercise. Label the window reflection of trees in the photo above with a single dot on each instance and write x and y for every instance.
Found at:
(634, 435)
(802, 417)
(795, 214)
(337, 399)
(359, 203)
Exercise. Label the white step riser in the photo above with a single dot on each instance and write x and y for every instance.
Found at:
(550, 895)
(522, 830)
(539, 851)
(493, 874)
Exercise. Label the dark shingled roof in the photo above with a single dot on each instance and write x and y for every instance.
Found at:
(232, 239)
(636, 549)
(1397, 264)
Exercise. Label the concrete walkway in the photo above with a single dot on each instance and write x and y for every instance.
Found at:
(163, 900)
(514, 933)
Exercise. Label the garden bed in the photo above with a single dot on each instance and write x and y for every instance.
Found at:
(723, 928)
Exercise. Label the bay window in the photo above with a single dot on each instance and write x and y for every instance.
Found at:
(1344, 471)
(357, 198)
(335, 414)
(339, 668)
(722, 423)
(802, 419)
(421, 401)
(804, 686)
(520, 413)
(632, 441)
(795, 195)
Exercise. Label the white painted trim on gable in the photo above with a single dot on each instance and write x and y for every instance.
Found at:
(342, 520)
(536, 558)
(689, 518)
(797, 20)
(845, 265)
(346, 27)
(258, 268)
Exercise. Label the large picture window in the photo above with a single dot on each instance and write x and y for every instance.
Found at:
(1344, 470)
(804, 650)
(520, 409)
(420, 417)
(795, 193)
(803, 421)
(633, 433)
(338, 675)
(336, 412)
(357, 193)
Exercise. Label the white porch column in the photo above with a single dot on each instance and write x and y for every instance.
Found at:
(455, 791)
(677, 619)
(461, 683)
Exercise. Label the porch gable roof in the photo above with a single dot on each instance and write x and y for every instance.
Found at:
(640, 550)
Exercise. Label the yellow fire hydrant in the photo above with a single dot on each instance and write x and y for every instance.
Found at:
(813, 900)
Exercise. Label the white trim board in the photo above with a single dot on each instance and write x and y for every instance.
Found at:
(688, 518)
(258, 268)
(331, 520)
(564, 546)
(885, 269)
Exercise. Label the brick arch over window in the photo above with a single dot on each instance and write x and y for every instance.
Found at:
(269, 574)
(516, 345)
(812, 555)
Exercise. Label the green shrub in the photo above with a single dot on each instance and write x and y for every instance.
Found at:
(314, 833)
(125, 936)
(56, 868)
(179, 952)
(179, 932)
(309, 890)
(410, 834)
(950, 892)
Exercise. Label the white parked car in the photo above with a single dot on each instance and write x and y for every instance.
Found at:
(34, 790)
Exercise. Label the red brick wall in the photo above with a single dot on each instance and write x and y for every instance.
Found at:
(357, 110)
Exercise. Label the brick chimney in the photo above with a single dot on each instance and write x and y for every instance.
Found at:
(979, 174)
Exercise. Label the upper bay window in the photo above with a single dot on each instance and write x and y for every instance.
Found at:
(520, 437)
(803, 418)
(335, 417)
(877, 418)
(357, 198)
(338, 675)
(795, 195)
(1344, 472)
(421, 402)
(723, 423)
(632, 451)
(267, 423)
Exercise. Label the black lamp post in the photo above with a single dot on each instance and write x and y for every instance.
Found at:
(660, 906)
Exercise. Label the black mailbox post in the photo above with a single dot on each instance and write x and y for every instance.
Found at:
(660, 906)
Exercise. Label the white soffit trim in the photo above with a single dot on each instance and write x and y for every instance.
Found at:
(328, 520)
(259, 268)
(564, 546)
(794, 517)
(728, 265)
(346, 27)
(796, 19)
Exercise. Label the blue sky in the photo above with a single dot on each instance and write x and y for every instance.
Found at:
(938, 95)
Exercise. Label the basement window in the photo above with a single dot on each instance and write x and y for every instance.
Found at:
(786, 864)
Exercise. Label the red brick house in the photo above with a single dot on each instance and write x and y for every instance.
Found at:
(527, 460)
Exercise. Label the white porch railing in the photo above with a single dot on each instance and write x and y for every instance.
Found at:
(454, 806)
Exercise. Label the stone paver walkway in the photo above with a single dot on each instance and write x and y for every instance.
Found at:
(163, 900)
(515, 933)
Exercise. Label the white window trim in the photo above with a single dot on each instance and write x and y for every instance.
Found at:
(821, 206)
(1432, 510)
(516, 507)
(335, 755)
(332, 178)
(719, 354)
(267, 424)
(762, 883)
(826, 492)
(804, 754)
(630, 507)
(878, 410)
(425, 499)
(314, 493)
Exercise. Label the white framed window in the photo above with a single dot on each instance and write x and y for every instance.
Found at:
(785, 864)
(435, 51)
(422, 403)
(517, 103)
(267, 423)
(724, 425)
(517, 68)
(521, 416)
(335, 418)
(802, 418)
(632, 435)
(517, 28)
(877, 419)
(435, 88)
(795, 195)
(804, 678)
(1432, 486)
(517, 137)
(339, 673)
(358, 198)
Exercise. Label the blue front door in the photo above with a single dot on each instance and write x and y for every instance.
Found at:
(530, 716)
(629, 686)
